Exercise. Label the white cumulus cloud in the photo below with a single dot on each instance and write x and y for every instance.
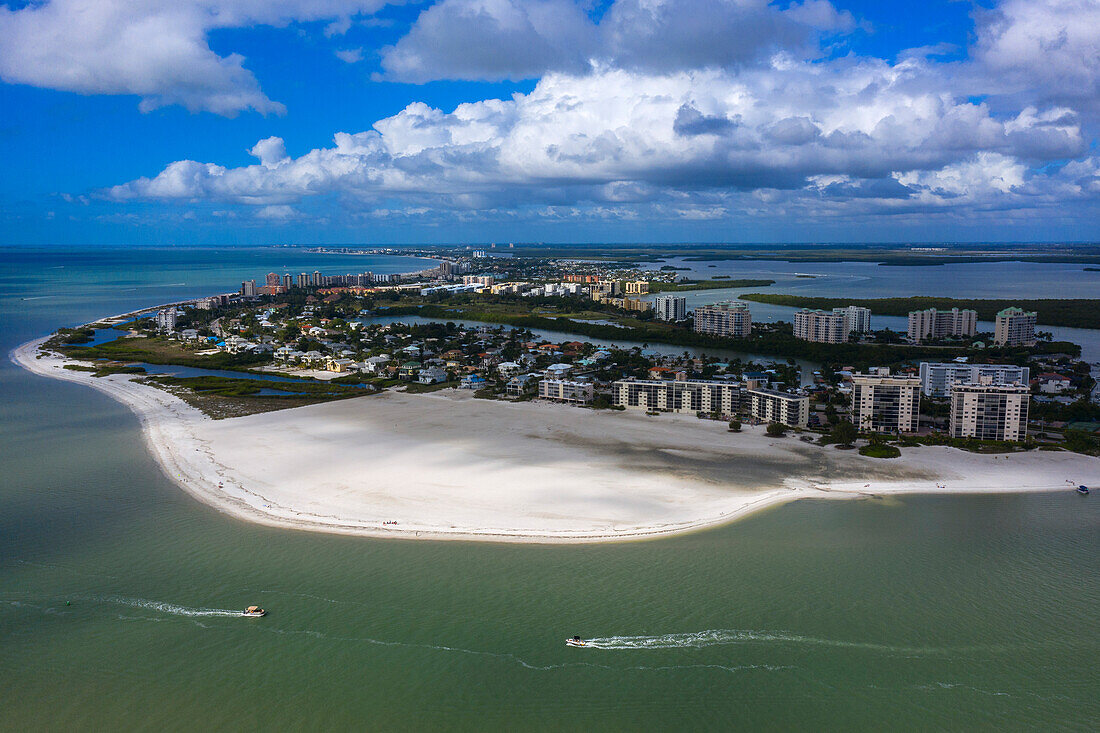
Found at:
(157, 50)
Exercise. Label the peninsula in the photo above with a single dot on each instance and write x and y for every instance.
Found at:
(437, 430)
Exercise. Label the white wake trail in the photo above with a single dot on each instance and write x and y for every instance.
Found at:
(172, 608)
(722, 637)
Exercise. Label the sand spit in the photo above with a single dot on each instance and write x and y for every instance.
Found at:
(447, 466)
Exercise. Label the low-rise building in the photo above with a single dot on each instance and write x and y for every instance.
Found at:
(988, 411)
(772, 405)
(559, 371)
(937, 378)
(885, 404)
(1015, 327)
(669, 395)
(1053, 383)
(730, 318)
(519, 385)
(341, 365)
(431, 375)
(566, 390)
(375, 364)
(409, 370)
(473, 381)
(820, 326)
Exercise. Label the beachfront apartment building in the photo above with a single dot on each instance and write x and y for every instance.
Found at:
(566, 390)
(937, 378)
(729, 318)
(988, 411)
(485, 280)
(857, 317)
(820, 326)
(1015, 327)
(670, 307)
(936, 324)
(666, 395)
(166, 319)
(772, 405)
(885, 404)
(636, 287)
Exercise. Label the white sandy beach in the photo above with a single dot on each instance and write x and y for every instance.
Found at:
(447, 466)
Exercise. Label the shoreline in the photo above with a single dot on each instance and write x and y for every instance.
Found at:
(487, 472)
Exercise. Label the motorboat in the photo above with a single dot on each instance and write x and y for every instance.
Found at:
(575, 641)
(1082, 489)
(253, 612)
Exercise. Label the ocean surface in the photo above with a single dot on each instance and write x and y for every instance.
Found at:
(117, 589)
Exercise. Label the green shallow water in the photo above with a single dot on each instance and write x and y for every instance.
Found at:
(915, 613)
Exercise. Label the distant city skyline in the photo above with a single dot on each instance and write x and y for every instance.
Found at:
(233, 122)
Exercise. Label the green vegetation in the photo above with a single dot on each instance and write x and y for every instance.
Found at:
(162, 351)
(225, 397)
(735, 426)
(1083, 410)
(71, 336)
(234, 387)
(714, 284)
(1079, 441)
(880, 450)
(105, 369)
(418, 388)
(1073, 313)
(776, 430)
(843, 433)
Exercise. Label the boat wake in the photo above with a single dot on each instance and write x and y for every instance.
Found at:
(171, 608)
(725, 637)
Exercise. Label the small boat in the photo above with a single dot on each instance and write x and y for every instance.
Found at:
(253, 612)
(1082, 489)
(575, 641)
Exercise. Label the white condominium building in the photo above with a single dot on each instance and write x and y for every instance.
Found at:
(166, 319)
(670, 307)
(773, 406)
(857, 318)
(665, 395)
(937, 324)
(565, 390)
(820, 326)
(989, 411)
(937, 379)
(885, 404)
(729, 318)
(485, 280)
(1015, 327)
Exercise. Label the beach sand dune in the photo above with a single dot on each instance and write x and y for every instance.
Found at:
(448, 466)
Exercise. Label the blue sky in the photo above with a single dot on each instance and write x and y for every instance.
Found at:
(548, 120)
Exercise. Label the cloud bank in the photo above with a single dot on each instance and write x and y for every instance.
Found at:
(693, 109)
